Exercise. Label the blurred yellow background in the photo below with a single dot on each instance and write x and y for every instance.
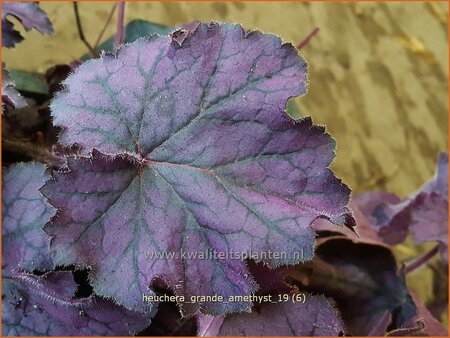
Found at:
(378, 77)
(378, 72)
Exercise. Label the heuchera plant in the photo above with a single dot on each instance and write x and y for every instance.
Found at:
(191, 150)
(179, 144)
(186, 147)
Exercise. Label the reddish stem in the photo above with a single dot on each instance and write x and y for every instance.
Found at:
(422, 260)
(120, 25)
(308, 38)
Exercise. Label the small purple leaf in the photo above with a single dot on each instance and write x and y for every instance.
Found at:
(424, 214)
(24, 213)
(208, 161)
(29, 14)
(429, 220)
(316, 317)
(383, 213)
(45, 305)
(10, 95)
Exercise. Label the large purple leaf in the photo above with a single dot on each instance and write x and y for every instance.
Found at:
(45, 306)
(24, 213)
(10, 95)
(209, 160)
(424, 214)
(29, 14)
(316, 317)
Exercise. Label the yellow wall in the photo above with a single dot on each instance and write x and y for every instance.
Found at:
(378, 73)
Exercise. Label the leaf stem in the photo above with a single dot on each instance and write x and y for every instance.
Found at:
(421, 260)
(32, 150)
(308, 38)
(120, 25)
(81, 32)
(102, 32)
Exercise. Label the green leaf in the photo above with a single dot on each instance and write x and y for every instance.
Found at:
(29, 82)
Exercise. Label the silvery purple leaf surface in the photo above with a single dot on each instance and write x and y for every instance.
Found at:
(25, 211)
(46, 306)
(315, 317)
(191, 151)
(424, 214)
(10, 95)
(156, 92)
(29, 14)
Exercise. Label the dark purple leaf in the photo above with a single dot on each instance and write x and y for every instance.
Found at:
(209, 161)
(425, 214)
(363, 279)
(270, 281)
(10, 95)
(29, 14)
(315, 317)
(24, 213)
(45, 306)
